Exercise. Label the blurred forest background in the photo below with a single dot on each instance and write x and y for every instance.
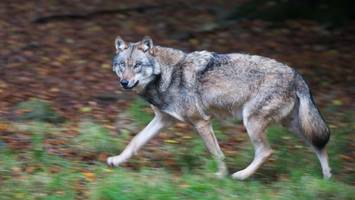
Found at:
(62, 111)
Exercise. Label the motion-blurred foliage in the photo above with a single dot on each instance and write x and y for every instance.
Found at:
(37, 110)
(93, 138)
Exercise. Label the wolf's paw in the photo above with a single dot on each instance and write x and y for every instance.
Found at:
(240, 175)
(114, 161)
(327, 175)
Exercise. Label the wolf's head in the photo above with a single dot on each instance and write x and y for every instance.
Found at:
(134, 63)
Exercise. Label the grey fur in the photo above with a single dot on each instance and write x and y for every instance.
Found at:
(194, 87)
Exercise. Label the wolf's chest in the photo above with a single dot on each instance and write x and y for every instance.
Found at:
(180, 104)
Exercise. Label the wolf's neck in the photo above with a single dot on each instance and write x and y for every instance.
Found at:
(168, 56)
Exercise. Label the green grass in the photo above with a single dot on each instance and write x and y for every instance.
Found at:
(38, 110)
(299, 169)
(293, 172)
(159, 184)
(138, 111)
(94, 138)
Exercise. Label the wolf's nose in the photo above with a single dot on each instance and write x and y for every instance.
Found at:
(124, 83)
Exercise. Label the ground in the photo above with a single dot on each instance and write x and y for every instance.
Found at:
(62, 112)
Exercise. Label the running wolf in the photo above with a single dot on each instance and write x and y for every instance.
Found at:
(194, 87)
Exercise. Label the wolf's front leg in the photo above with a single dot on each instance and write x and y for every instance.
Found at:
(160, 121)
(204, 128)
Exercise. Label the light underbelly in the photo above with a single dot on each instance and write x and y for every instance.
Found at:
(226, 111)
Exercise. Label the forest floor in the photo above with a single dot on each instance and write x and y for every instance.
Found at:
(62, 112)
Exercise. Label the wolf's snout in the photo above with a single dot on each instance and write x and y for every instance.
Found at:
(124, 83)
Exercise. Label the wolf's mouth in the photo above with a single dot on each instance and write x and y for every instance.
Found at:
(128, 88)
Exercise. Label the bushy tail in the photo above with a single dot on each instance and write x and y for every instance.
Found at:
(311, 121)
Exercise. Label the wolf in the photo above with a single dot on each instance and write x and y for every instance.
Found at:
(199, 86)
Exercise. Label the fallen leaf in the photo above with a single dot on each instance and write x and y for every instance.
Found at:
(89, 176)
(85, 109)
(171, 141)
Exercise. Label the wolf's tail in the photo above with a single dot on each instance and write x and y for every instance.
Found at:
(311, 121)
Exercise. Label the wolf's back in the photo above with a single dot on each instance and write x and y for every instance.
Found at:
(311, 121)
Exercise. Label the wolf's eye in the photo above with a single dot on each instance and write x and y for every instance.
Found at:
(137, 65)
(118, 66)
(121, 65)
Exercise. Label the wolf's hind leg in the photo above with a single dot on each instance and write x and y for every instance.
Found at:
(204, 128)
(323, 159)
(256, 131)
(293, 125)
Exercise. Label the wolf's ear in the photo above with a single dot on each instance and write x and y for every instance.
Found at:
(120, 44)
(146, 43)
